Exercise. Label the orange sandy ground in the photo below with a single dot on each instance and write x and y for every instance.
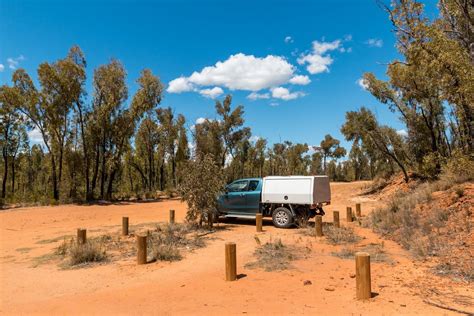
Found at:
(196, 284)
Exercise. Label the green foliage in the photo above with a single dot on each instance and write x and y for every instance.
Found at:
(202, 182)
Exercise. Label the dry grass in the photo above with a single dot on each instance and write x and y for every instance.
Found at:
(334, 235)
(274, 255)
(167, 241)
(78, 254)
(341, 235)
(376, 251)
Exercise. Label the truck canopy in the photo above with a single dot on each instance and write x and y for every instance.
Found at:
(296, 189)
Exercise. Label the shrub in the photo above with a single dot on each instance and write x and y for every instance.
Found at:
(91, 251)
(166, 241)
(341, 235)
(202, 183)
(274, 256)
(459, 167)
(166, 252)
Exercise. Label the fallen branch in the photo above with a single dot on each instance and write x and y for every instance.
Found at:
(452, 309)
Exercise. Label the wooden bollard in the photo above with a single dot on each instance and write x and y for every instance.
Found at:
(319, 225)
(258, 222)
(230, 261)
(171, 216)
(363, 283)
(141, 249)
(358, 210)
(349, 214)
(335, 219)
(81, 236)
(125, 226)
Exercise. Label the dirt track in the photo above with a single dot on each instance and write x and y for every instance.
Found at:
(196, 284)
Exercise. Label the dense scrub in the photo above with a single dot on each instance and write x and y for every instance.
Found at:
(435, 219)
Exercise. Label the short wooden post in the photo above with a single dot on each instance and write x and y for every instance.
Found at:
(125, 226)
(81, 236)
(358, 210)
(319, 225)
(141, 249)
(349, 214)
(258, 222)
(230, 261)
(363, 283)
(335, 219)
(171, 216)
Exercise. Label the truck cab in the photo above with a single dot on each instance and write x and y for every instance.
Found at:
(287, 199)
(241, 197)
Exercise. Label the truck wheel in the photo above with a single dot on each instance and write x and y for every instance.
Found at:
(282, 217)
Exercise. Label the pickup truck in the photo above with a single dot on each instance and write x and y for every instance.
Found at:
(285, 199)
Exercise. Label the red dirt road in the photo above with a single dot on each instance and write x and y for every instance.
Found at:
(196, 285)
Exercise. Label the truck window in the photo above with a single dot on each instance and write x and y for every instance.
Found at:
(238, 186)
(253, 184)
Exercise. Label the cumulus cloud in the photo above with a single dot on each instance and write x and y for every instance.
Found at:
(254, 138)
(300, 80)
(14, 62)
(363, 83)
(201, 120)
(288, 39)
(319, 60)
(257, 96)
(285, 94)
(402, 132)
(35, 137)
(374, 42)
(211, 93)
(238, 72)
(2, 67)
(179, 85)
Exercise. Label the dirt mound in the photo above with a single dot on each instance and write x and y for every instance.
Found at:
(433, 220)
(385, 188)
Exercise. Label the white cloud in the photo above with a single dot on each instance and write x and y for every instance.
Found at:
(211, 93)
(288, 39)
(318, 59)
(363, 83)
(274, 104)
(254, 138)
(374, 42)
(284, 94)
(257, 96)
(402, 132)
(201, 120)
(238, 72)
(2, 67)
(179, 85)
(35, 136)
(300, 79)
(14, 62)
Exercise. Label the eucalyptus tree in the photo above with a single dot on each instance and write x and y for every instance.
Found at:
(49, 108)
(433, 82)
(362, 126)
(12, 133)
(330, 148)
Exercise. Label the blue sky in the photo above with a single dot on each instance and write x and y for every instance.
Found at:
(301, 59)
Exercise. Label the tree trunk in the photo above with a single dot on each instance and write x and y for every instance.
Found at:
(96, 170)
(54, 177)
(13, 176)
(5, 172)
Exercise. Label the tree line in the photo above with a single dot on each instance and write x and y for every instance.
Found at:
(117, 146)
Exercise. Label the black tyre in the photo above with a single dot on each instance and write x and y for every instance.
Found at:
(282, 217)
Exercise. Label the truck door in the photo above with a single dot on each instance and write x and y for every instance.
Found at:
(252, 197)
(234, 199)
